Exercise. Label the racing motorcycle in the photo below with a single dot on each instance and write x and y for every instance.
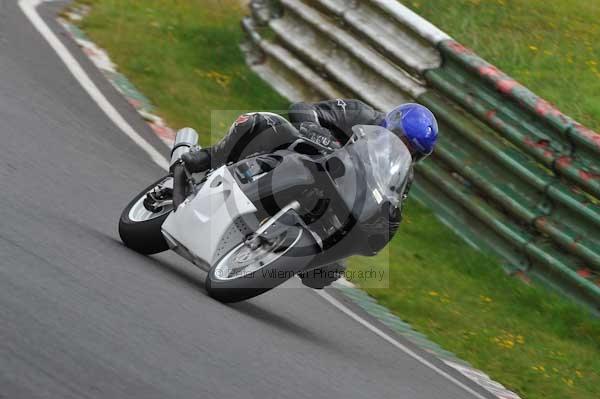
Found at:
(253, 224)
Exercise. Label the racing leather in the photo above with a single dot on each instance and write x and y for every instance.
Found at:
(319, 136)
(339, 116)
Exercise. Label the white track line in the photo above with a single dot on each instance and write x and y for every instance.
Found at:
(29, 7)
(394, 342)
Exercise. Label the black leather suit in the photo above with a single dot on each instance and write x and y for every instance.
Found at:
(263, 132)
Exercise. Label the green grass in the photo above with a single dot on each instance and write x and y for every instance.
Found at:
(531, 340)
(183, 55)
(551, 46)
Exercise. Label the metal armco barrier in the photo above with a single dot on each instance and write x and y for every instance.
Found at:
(512, 174)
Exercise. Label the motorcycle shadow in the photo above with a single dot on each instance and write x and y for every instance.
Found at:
(279, 322)
(257, 308)
(177, 269)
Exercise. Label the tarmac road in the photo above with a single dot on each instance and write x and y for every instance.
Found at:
(81, 316)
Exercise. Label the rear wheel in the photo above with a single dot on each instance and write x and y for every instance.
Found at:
(249, 270)
(140, 228)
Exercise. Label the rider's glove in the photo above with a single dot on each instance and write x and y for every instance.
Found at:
(319, 136)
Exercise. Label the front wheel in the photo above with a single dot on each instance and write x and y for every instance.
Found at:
(139, 228)
(247, 271)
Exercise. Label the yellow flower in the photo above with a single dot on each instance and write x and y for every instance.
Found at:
(504, 342)
(434, 293)
(533, 48)
(221, 79)
(568, 381)
(520, 339)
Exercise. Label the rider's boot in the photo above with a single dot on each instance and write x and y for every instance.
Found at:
(197, 160)
(323, 276)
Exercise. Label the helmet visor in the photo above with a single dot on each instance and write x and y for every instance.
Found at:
(415, 152)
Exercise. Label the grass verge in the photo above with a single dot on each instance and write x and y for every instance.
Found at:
(551, 46)
(183, 55)
(531, 340)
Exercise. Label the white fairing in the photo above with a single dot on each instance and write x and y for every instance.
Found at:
(200, 223)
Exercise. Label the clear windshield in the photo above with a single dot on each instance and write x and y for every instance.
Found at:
(386, 160)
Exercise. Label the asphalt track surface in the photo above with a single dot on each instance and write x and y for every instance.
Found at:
(81, 316)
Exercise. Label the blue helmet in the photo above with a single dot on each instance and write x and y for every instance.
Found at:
(417, 124)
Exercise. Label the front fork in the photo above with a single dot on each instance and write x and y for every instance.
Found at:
(185, 139)
(289, 215)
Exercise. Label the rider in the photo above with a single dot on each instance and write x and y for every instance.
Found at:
(328, 124)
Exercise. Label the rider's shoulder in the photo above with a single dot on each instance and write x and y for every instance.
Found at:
(354, 103)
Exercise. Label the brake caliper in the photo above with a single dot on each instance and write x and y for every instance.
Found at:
(158, 197)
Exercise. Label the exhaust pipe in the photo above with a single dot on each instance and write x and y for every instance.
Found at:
(184, 140)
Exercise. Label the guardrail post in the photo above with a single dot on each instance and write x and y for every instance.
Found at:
(264, 10)
(250, 46)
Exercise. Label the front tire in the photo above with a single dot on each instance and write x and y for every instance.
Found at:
(140, 229)
(291, 261)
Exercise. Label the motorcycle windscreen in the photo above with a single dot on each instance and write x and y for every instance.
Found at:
(376, 167)
(385, 160)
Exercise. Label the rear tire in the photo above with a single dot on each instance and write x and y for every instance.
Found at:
(143, 236)
(294, 260)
